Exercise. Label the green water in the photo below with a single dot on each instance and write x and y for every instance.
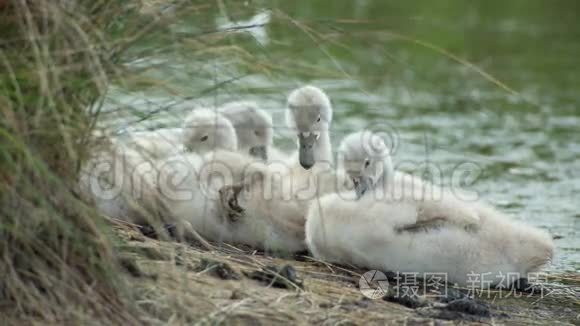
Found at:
(389, 66)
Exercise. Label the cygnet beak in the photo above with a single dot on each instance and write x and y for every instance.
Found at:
(306, 141)
(361, 185)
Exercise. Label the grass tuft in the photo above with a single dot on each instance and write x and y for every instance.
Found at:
(55, 256)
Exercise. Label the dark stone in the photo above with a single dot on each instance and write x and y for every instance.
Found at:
(393, 277)
(363, 303)
(522, 285)
(217, 269)
(148, 231)
(469, 306)
(409, 300)
(459, 306)
(284, 277)
(452, 295)
(171, 230)
(237, 295)
(301, 255)
(325, 305)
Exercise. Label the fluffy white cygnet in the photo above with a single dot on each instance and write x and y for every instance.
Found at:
(206, 130)
(120, 182)
(385, 236)
(207, 190)
(309, 114)
(394, 234)
(365, 158)
(253, 128)
(203, 130)
(278, 195)
(123, 182)
(156, 144)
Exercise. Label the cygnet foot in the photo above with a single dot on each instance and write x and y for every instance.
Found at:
(229, 202)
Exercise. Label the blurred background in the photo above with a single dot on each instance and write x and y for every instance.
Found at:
(491, 83)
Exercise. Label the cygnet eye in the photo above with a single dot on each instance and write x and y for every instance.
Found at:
(257, 133)
(203, 138)
(367, 162)
(318, 120)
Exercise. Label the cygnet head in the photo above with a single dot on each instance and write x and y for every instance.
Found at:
(253, 127)
(310, 114)
(206, 130)
(366, 159)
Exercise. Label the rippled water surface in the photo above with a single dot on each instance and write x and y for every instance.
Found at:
(404, 67)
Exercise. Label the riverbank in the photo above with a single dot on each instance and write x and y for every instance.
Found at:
(182, 283)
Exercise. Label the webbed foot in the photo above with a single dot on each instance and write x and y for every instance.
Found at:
(232, 211)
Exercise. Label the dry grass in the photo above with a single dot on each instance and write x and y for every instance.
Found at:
(57, 263)
(57, 59)
(173, 289)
